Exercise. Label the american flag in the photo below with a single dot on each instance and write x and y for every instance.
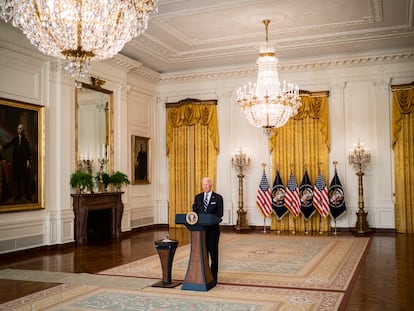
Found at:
(292, 198)
(264, 197)
(320, 196)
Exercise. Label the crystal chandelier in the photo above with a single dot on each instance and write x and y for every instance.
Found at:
(79, 30)
(267, 103)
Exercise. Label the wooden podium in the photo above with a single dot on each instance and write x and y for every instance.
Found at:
(198, 276)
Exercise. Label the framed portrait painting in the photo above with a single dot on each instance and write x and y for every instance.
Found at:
(140, 160)
(21, 148)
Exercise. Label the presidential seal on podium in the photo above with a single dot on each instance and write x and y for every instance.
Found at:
(191, 218)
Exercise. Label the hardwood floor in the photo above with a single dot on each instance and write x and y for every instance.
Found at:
(385, 279)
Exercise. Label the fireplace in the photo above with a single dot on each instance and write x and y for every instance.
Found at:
(97, 216)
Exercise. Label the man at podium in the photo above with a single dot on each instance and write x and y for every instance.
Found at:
(209, 202)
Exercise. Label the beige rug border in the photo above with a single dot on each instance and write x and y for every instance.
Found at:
(341, 281)
(268, 298)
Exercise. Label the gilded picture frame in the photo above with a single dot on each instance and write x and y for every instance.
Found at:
(21, 159)
(140, 160)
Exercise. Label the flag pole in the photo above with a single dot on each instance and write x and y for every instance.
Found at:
(278, 228)
(268, 131)
(335, 226)
(320, 225)
(294, 225)
(306, 227)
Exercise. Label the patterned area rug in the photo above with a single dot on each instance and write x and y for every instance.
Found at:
(305, 262)
(221, 297)
(256, 273)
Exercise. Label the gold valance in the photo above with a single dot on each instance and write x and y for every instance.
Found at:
(315, 106)
(189, 112)
(403, 103)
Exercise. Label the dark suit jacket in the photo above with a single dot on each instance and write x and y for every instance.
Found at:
(215, 206)
(21, 154)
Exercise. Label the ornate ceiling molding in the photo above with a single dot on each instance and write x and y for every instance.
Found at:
(168, 55)
(134, 66)
(166, 21)
(380, 59)
(125, 62)
(24, 51)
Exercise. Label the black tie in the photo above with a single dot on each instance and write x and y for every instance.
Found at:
(205, 203)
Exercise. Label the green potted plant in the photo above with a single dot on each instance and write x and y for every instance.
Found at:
(102, 180)
(80, 181)
(118, 179)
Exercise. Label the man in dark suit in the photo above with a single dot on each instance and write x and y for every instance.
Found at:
(21, 161)
(141, 164)
(209, 202)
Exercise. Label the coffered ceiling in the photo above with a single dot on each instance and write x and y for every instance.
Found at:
(195, 34)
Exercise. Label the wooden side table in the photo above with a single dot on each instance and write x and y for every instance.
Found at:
(166, 250)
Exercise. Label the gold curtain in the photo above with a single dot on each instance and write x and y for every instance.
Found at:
(403, 146)
(303, 142)
(192, 149)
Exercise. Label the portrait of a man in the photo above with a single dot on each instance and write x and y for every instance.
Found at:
(19, 155)
(140, 159)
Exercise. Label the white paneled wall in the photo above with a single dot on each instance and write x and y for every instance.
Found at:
(359, 108)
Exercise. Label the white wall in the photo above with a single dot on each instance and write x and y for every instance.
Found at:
(359, 106)
(141, 111)
(30, 77)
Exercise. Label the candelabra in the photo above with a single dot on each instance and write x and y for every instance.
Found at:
(102, 183)
(360, 157)
(85, 163)
(241, 160)
(102, 163)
